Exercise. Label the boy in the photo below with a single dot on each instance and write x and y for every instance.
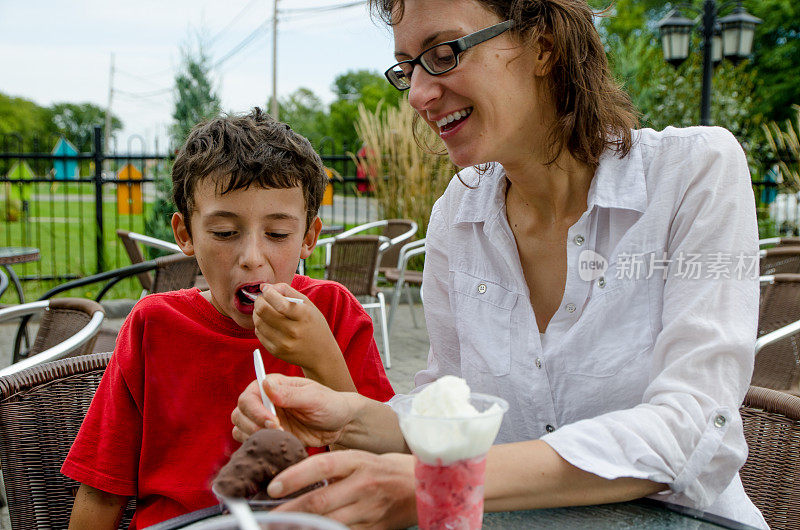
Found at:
(247, 190)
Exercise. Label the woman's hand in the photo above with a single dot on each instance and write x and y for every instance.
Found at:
(364, 491)
(312, 412)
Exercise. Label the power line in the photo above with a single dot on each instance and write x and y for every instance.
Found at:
(232, 22)
(320, 9)
(152, 94)
(139, 77)
(244, 42)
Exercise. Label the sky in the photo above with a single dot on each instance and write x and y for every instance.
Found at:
(54, 51)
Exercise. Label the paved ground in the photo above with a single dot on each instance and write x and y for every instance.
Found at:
(409, 353)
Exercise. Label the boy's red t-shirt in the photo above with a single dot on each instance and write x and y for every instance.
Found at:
(159, 427)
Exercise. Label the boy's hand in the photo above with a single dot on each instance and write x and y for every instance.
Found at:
(299, 334)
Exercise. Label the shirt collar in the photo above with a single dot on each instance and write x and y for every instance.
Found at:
(617, 183)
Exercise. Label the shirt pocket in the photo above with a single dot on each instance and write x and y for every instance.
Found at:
(614, 332)
(482, 311)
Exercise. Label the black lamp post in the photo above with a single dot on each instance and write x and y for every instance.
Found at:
(730, 36)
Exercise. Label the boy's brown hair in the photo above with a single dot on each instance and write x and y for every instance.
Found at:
(244, 151)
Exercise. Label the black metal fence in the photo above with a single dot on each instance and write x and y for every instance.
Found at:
(70, 204)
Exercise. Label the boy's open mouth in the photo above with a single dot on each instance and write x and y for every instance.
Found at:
(247, 295)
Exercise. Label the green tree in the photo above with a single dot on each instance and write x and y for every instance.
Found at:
(195, 96)
(776, 57)
(76, 122)
(20, 121)
(305, 112)
(352, 88)
(195, 101)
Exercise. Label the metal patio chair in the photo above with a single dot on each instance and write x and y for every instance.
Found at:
(398, 231)
(354, 263)
(172, 272)
(401, 276)
(68, 327)
(777, 363)
(41, 411)
(134, 242)
(778, 260)
(771, 475)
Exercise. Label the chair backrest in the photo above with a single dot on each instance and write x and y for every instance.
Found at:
(41, 410)
(777, 365)
(173, 272)
(68, 327)
(394, 229)
(133, 243)
(781, 259)
(354, 263)
(771, 475)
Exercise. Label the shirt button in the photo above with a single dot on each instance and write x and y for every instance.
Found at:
(720, 421)
(482, 288)
(601, 282)
(538, 363)
(571, 308)
(550, 428)
(579, 240)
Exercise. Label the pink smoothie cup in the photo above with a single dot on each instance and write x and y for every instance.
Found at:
(450, 461)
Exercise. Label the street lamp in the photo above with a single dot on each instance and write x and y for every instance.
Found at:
(730, 36)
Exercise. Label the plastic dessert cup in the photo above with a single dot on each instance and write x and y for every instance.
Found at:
(267, 504)
(450, 461)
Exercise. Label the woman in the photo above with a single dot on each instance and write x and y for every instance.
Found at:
(598, 278)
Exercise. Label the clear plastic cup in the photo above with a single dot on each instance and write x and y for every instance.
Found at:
(271, 521)
(450, 461)
(267, 504)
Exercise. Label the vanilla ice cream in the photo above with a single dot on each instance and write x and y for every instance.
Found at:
(445, 423)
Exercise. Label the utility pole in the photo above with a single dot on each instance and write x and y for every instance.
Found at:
(274, 102)
(107, 131)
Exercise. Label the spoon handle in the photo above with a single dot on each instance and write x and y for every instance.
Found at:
(260, 375)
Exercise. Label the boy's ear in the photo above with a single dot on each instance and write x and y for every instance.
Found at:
(182, 236)
(310, 239)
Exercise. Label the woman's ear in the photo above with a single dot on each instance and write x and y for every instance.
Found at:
(542, 52)
(310, 239)
(181, 232)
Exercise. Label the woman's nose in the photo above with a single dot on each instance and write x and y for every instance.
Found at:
(425, 89)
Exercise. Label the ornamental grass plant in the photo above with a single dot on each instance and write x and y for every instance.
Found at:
(405, 161)
(785, 146)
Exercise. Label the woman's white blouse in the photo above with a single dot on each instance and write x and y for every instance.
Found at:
(641, 371)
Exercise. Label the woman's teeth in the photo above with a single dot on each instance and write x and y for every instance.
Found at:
(457, 115)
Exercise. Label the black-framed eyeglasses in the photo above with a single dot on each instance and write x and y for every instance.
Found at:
(442, 57)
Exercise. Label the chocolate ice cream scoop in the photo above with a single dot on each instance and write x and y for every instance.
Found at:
(251, 468)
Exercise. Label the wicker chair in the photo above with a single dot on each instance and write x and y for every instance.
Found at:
(133, 243)
(398, 231)
(777, 363)
(41, 410)
(176, 271)
(402, 277)
(68, 327)
(354, 264)
(778, 260)
(771, 475)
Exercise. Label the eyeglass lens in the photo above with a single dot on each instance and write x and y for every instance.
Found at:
(436, 60)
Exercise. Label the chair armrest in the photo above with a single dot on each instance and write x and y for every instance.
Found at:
(62, 349)
(15, 311)
(3, 282)
(409, 250)
(113, 276)
(361, 228)
(408, 234)
(768, 241)
(154, 242)
(777, 335)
